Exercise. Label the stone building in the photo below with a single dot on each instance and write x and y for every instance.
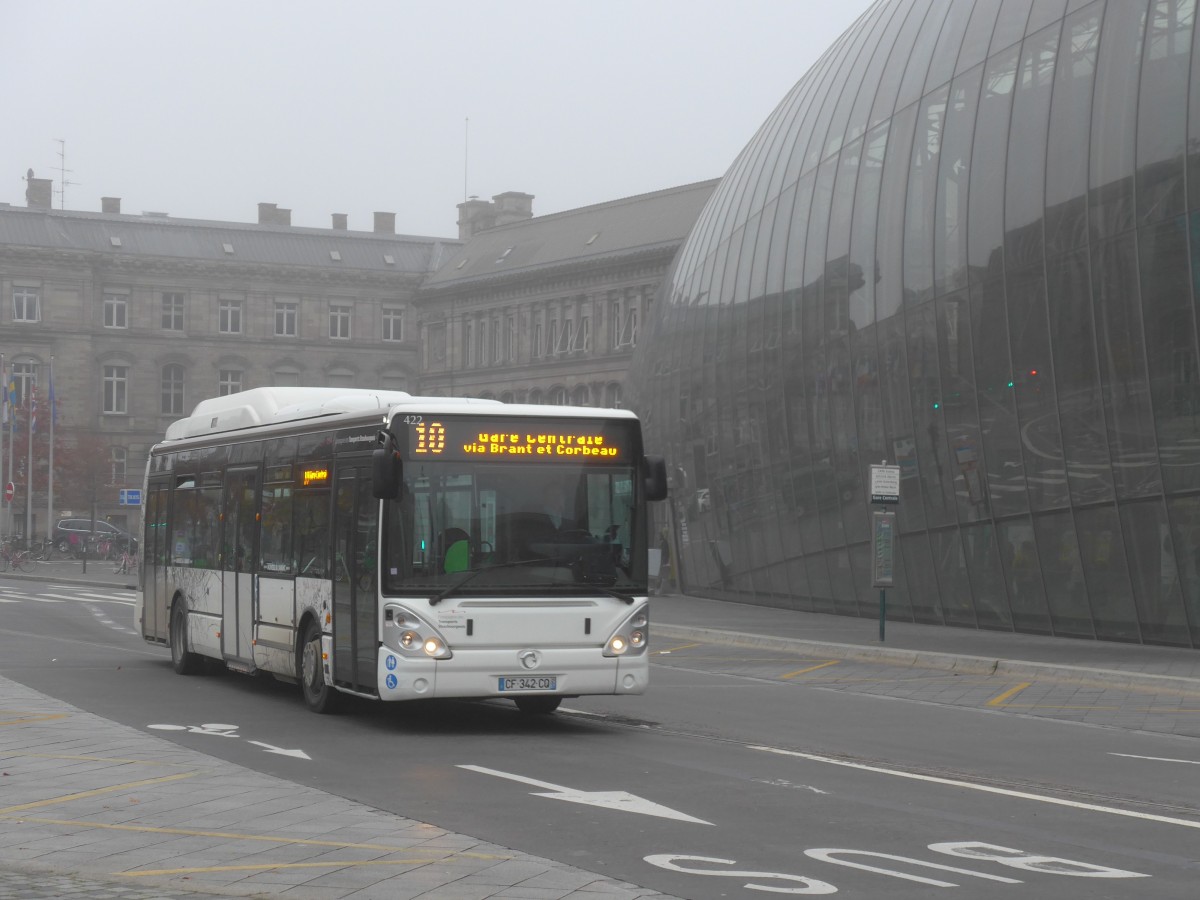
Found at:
(145, 315)
(548, 309)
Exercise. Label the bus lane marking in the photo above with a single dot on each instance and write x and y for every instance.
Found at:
(984, 788)
(619, 800)
(1190, 762)
(824, 665)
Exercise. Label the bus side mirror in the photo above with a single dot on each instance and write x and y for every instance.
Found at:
(656, 478)
(385, 469)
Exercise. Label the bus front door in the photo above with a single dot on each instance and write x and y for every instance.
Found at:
(355, 608)
(155, 559)
(238, 555)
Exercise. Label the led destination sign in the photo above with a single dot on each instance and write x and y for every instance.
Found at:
(541, 441)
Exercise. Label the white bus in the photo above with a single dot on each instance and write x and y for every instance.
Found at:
(397, 547)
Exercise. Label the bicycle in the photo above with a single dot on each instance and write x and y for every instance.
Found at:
(15, 559)
(126, 563)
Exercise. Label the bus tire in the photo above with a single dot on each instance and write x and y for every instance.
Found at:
(183, 660)
(537, 706)
(318, 696)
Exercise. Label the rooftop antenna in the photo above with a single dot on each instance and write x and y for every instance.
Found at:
(63, 172)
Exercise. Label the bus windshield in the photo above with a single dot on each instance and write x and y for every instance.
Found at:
(513, 527)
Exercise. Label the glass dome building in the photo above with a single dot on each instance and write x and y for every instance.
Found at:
(966, 243)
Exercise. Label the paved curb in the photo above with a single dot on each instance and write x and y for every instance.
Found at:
(951, 662)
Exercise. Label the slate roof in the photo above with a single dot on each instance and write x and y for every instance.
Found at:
(638, 224)
(196, 239)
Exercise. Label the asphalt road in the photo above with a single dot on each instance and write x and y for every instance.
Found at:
(733, 777)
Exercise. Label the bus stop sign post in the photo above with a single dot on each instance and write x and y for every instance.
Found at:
(885, 490)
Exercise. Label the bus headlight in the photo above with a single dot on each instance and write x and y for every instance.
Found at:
(632, 636)
(411, 636)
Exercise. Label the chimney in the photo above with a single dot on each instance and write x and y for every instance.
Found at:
(474, 216)
(110, 204)
(512, 206)
(38, 191)
(385, 223)
(270, 214)
(340, 221)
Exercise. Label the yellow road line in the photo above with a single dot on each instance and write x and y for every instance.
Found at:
(330, 864)
(1009, 694)
(680, 647)
(26, 718)
(13, 754)
(832, 662)
(223, 835)
(83, 795)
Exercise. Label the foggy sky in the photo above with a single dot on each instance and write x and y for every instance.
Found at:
(204, 109)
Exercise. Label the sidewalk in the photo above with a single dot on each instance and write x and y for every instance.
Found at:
(964, 650)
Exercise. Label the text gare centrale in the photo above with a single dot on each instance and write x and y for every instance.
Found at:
(540, 445)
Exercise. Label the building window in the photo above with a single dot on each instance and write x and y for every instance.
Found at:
(27, 305)
(230, 317)
(510, 338)
(285, 318)
(612, 395)
(118, 462)
(497, 359)
(626, 332)
(393, 324)
(468, 344)
(287, 378)
(24, 376)
(342, 378)
(564, 337)
(339, 322)
(172, 311)
(579, 396)
(558, 396)
(172, 390)
(583, 336)
(229, 381)
(115, 380)
(481, 342)
(537, 350)
(116, 311)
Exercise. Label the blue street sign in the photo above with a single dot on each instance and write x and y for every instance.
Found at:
(130, 497)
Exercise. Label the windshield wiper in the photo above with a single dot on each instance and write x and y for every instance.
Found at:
(471, 575)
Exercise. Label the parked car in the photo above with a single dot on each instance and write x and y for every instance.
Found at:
(73, 534)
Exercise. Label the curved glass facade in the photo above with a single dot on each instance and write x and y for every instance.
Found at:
(966, 243)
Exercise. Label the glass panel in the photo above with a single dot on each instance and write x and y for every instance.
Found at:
(1076, 379)
(1154, 569)
(1184, 513)
(1070, 127)
(1024, 203)
(1062, 573)
(1170, 334)
(862, 272)
(1018, 552)
(1123, 380)
(920, 52)
(987, 577)
(1045, 471)
(1010, 24)
(1109, 592)
(961, 437)
(937, 499)
(978, 35)
(1114, 125)
(889, 291)
(919, 577)
(950, 565)
(954, 26)
(1162, 109)
(985, 224)
(922, 196)
(950, 213)
(889, 84)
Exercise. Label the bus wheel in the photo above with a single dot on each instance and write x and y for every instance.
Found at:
(537, 706)
(183, 660)
(320, 697)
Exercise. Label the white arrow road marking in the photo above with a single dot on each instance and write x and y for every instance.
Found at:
(608, 799)
(1190, 762)
(298, 754)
